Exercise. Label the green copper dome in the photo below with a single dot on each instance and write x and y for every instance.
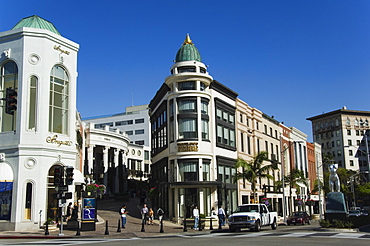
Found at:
(188, 52)
(36, 22)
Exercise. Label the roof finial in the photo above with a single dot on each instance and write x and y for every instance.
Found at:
(188, 40)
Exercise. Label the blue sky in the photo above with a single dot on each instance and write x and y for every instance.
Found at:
(290, 59)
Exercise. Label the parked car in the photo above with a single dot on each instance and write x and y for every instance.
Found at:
(364, 212)
(354, 213)
(299, 217)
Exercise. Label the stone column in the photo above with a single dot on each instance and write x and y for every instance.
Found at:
(106, 164)
(90, 160)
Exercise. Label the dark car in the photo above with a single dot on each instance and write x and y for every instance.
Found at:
(354, 213)
(299, 218)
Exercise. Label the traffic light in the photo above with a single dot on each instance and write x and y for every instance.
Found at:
(11, 101)
(69, 175)
(58, 176)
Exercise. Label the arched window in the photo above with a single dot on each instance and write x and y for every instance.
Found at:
(28, 203)
(32, 103)
(58, 109)
(8, 78)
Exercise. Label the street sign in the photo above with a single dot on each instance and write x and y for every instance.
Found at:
(61, 188)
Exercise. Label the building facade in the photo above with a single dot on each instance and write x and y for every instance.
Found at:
(135, 124)
(41, 134)
(193, 139)
(344, 135)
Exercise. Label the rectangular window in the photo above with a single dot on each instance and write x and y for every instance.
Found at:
(32, 103)
(139, 121)
(186, 69)
(349, 132)
(139, 132)
(139, 142)
(187, 128)
(188, 170)
(206, 170)
(204, 107)
(349, 142)
(202, 85)
(188, 85)
(186, 106)
(129, 133)
(249, 145)
(219, 113)
(125, 122)
(205, 130)
(221, 174)
(242, 141)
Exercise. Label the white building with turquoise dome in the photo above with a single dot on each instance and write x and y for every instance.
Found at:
(193, 139)
(41, 66)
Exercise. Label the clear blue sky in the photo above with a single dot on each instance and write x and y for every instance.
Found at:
(288, 58)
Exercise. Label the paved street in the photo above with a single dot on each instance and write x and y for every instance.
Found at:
(108, 211)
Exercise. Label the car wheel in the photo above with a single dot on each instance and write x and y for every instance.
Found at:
(274, 225)
(302, 222)
(232, 229)
(309, 222)
(288, 223)
(257, 226)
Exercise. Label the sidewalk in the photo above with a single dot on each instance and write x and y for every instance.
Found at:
(108, 213)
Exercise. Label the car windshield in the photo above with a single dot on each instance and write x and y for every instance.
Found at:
(298, 214)
(250, 208)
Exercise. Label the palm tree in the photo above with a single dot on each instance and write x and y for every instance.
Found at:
(254, 170)
(293, 179)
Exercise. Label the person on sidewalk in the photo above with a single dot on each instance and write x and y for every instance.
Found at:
(221, 216)
(123, 213)
(160, 213)
(196, 217)
(144, 213)
(151, 216)
(69, 211)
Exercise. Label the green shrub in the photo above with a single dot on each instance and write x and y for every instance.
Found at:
(348, 224)
(325, 223)
(338, 224)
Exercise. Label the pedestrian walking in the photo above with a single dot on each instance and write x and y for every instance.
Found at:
(150, 216)
(69, 211)
(160, 213)
(196, 217)
(123, 212)
(144, 213)
(221, 216)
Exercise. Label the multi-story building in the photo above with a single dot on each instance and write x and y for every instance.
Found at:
(193, 139)
(135, 124)
(41, 134)
(344, 136)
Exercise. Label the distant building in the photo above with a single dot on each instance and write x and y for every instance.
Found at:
(135, 125)
(345, 136)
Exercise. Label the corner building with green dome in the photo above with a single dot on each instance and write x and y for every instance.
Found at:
(193, 139)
